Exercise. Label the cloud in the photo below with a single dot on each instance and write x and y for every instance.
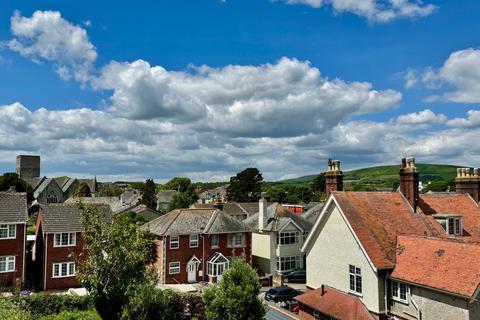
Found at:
(286, 98)
(462, 72)
(472, 121)
(410, 78)
(426, 116)
(46, 36)
(377, 11)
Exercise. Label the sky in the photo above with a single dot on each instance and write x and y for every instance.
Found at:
(206, 88)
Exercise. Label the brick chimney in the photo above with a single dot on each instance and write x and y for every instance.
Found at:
(465, 182)
(409, 181)
(333, 177)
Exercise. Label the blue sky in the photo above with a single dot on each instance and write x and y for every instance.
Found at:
(206, 88)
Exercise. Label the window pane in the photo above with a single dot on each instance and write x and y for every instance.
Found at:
(71, 270)
(12, 231)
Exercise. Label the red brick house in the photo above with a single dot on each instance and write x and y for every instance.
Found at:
(59, 244)
(13, 224)
(198, 244)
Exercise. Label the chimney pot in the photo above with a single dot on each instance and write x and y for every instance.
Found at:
(323, 290)
(475, 172)
(459, 172)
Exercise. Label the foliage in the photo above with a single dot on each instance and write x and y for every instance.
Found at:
(10, 310)
(236, 296)
(246, 186)
(179, 184)
(109, 190)
(286, 193)
(115, 266)
(83, 190)
(149, 197)
(318, 184)
(43, 304)
(31, 230)
(131, 217)
(11, 179)
(186, 306)
(73, 315)
(147, 302)
(440, 186)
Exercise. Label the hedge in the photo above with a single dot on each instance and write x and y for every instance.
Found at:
(44, 304)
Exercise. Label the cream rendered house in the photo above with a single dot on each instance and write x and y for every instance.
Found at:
(277, 236)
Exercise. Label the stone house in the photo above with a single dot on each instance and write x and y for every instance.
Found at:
(197, 244)
(277, 236)
(357, 241)
(13, 225)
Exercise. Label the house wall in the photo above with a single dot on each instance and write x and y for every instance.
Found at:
(52, 186)
(56, 255)
(14, 247)
(306, 313)
(203, 252)
(329, 257)
(292, 249)
(263, 251)
(159, 263)
(435, 305)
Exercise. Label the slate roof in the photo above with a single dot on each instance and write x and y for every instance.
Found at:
(65, 217)
(67, 184)
(312, 213)
(114, 202)
(13, 207)
(43, 185)
(335, 304)
(454, 204)
(278, 217)
(232, 208)
(165, 196)
(142, 210)
(34, 182)
(446, 265)
(377, 218)
(190, 221)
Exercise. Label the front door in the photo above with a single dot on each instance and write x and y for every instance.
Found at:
(192, 272)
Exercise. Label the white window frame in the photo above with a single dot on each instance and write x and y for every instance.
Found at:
(9, 261)
(174, 242)
(283, 236)
(70, 265)
(282, 261)
(457, 226)
(59, 237)
(396, 291)
(216, 243)
(217, 265)
(233, 240)
(174, 267)
(193, 241)
(11, 230)
(355, 279)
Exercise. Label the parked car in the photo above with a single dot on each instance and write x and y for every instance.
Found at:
(299, 276)
(281, 294)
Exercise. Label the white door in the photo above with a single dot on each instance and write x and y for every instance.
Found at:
(192, 272)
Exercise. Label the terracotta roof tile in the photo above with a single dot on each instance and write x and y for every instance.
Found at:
(336, 304)
(377, 218)
(454, 204)
(447, 265)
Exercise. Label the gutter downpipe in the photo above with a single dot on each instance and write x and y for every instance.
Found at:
(385, 295)
(203, 256)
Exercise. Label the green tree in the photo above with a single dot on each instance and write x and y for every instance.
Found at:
(115, 267)
(83, 190)
(179, 184)
(109, 190)
(183, 199)
(235, 297)
(131, 217)
(149, 197)
(246, 186)
(318, 184)
(276, 194)
(11, 179)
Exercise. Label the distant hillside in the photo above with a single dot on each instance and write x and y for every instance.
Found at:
(385, 176)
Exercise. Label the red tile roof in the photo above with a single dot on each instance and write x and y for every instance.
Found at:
(455, 204)
(377, 218)
(335, 303)
(447, 265)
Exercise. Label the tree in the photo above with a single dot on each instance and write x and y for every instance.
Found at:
(318, 184)
(149, 197)
(131, 217)
(114, 268)
(11, 179)
(246, 186)
(179, 184)
(236, 295)
(83, 190)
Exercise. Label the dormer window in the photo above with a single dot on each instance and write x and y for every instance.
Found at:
(453, 225)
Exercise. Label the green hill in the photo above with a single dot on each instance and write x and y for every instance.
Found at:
(385, 176)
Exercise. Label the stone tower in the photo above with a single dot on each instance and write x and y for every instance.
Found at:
(465, 182)
(409, 179)
(333, 177)
(28, 166)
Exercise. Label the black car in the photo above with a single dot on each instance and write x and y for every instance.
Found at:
(281, 294)
(299, 276)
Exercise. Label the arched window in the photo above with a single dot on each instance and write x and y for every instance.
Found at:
(52, 197)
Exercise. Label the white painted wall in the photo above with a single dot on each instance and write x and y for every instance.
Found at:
(333, 249)
(435, 305)
(263, 251)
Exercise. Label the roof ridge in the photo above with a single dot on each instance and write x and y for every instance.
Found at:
(178, 211)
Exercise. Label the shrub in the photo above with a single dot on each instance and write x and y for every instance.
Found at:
(147, 302)
(10, 310)
(73, 315)
(43, 304)
(31, 230)
(186, 306)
